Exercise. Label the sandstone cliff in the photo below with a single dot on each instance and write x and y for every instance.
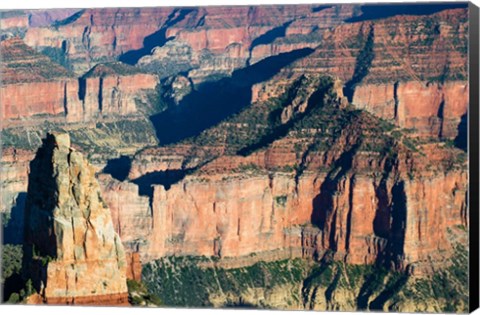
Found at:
(35, 87)
(90, 36)
(72, 253)
(338, 180)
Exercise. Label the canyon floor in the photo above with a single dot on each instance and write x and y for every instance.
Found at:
(308, 157)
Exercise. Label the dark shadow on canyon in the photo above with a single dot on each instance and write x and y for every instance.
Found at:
(323, 202)
(369, 287)
(392, 288)
(381, 222)
(362, 65)
(118, 168)
(13, 229)
(461, 141)
(321, 8)
(399, 217)
(157, 39)
(269, 37)
(382, 11)
(165, 178)
(214, 101)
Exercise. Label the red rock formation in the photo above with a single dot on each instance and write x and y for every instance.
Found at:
(100, 34)
(432, 109)
(236, 206)
(71, 251)
(111, 89)
(212, 28)
(33, 85)
(134, 266)
(131, 213)
(417, 101)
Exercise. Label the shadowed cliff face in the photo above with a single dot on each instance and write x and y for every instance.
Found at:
(118, 168)
(157, 39)
(13, 229)
(212, 102)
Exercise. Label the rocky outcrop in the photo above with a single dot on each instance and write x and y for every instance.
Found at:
(352, 198)
(72, 253)
(131, 213)
(428, 91)
(215, 41)
(34, 87)
(31, 83)
(430, 109)
(134, 266)
(296, 173)
(112, 90)
(242, 210)
(14, 168)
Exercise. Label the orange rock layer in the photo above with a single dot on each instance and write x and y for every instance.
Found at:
(230, 214)
(94, 300)
(48, 89)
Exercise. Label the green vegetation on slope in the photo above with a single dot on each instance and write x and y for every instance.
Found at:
(109, 138)
(138, 295)
(180, 281)
(11, 261)
(302, 284)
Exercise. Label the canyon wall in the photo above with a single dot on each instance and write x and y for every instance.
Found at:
(428, 91)
(34, 88)
(431, 109)
(208, 42)
(92, 36)
(379, 210)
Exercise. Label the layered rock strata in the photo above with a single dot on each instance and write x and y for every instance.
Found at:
(35, 88)
(72, 253)
(368, 195)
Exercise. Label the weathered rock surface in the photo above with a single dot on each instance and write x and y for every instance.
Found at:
(351, 196)
(72, 252)
(431, 109)
(34, 87)
(226, 34)
(435, 69)
(14, 178)
(92, 36)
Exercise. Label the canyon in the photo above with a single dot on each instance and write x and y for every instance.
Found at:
(305, 138)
